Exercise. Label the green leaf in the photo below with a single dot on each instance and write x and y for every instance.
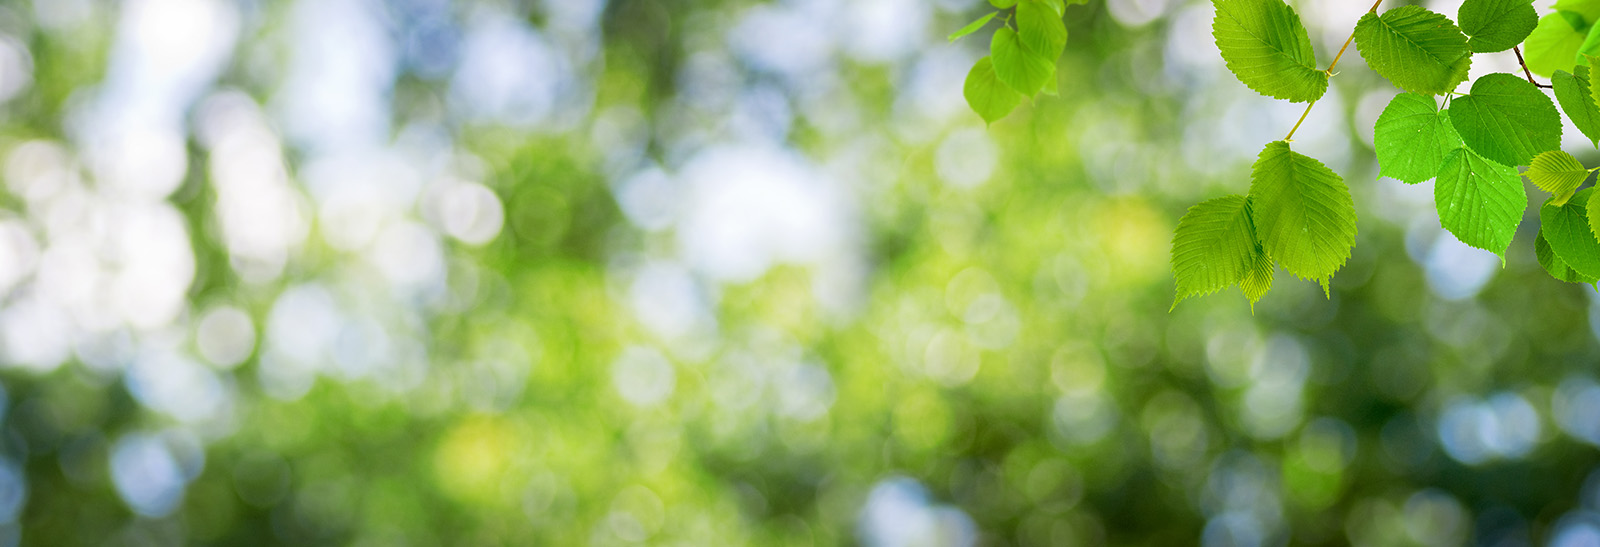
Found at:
(1594, 214)
(1557, 172)
(1041, 30)
(1303, 212)
(1213, 247)
(1479, 201)
(1268, 49)
(1558, 268)
(1412, 138)
(1002, 4)
(973, 26)
(1589, 10)
(988, 96)
(1567, 229)
(1016, 65)
(1554, 44)
(1058, 6)
(1576, 98)
(1418, 50)
(1496, 25)
(1506, 119)
(1258, 279)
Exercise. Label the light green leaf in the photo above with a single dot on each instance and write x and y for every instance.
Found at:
(1016, 65)
(1041, 30)
(1506, 119)
(973, 26)
(1554, 265)
(1412, 138)
(1589, 10)
(1418, 50)
(1213, 247)
(1258, 279)
(1576, 98)
(987, 95)
(1057, 5)
(1496, 25)
(1567, 229)
(1268, 49)
(1002, 4)
(1594, 214)
(1303, 211)
(1557, 172)
(1554, 44)
(1591, 45)
(1479, 201)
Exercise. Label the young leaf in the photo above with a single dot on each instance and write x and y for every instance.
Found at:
(1303, 212)
(1268, 49)
(1258, 279)
(1041, 29)
(1573, 92)
(1479, 201)
(1213, 247)
(1554, 265)
(1557, 172)
(1412, 138)
(1418, 50)
(988, 96)
(1554, 44)
(1506, 119)
(973, 26)
(1567, 229)
(1017, 65)
(1496, 25)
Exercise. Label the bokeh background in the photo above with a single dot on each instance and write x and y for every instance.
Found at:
(723, 272)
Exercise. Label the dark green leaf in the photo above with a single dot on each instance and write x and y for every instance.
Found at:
(1567, 229)
(1576, 98)
(1496, 25)
(1506, 119)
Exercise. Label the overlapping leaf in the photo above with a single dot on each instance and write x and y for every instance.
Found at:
(1268, 49)
(1558, 268)
(1214, 246)
(1479, 201)
(1566, 228)
(1496, 25)
(1303, 212)
(1412, 138)
(1577, 99)
(1554, 44)
(973, 26)
(1418, 50)
(1018, 66)
(1557, 172)
(1594, 214)
(1040, 28)
(987, 95)
(1506, 119)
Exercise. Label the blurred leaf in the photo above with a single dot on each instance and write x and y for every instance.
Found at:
(1594, 214)
(1496, 25)
(1553, 45)
(1303, 212)
(1558, 173)
(1555, 266)
(1041, 30)
(1268, 49)
(1214, 246)
(1567, 229)
(987, 95)
(1018, 66)
(1506, 119)
(1576, 98)
(1479, 201)
(1412, 138)
(973, 26)
(1418, 50)
(1002, 4)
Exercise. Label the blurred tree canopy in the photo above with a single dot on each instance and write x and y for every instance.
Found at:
(421, 272)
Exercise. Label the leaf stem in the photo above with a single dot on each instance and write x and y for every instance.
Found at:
(1525, 70)
(1329, 72)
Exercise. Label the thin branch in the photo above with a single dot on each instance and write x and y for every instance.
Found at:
(1329, 71)
(1525, 70)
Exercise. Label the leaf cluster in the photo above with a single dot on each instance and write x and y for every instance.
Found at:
(1022, 55)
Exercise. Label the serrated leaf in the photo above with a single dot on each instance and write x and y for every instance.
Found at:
(1304, 214)
(1418, 50)
(1258, 279)
(1594, 214)
(1553, 45)
(1557, 172)
(1496, 25)
(987, 95)
(1554, 265)
(1567, 229)
(1412, 138)
(973, 26)
(1590, 45)
(1506, 119)
(1016, 65)
(1213, 247)
(1267, 48)
(1577, 100)
(1479, 201)
(1041, 30)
